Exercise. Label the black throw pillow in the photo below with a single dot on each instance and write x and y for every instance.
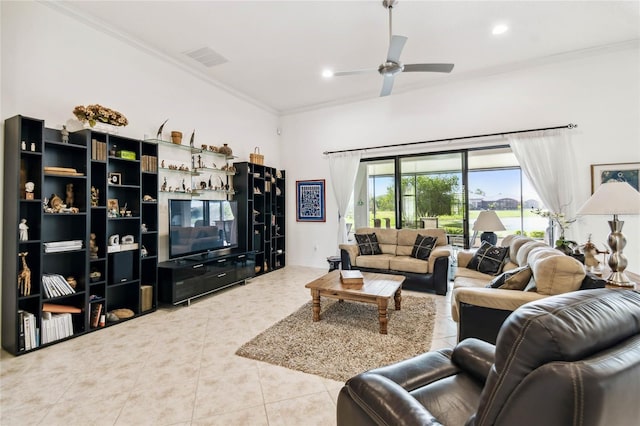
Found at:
(488, 259)
(515, 279)
(423, 246)
(368, 244)
(592, 281)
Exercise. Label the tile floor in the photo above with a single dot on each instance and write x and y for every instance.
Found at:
(177, 366)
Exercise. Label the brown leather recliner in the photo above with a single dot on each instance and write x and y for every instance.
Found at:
(571, 359)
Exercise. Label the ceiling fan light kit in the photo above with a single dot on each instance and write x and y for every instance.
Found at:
(392, 66)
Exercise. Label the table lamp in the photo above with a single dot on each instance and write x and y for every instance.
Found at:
(614, 198)
(488, 221)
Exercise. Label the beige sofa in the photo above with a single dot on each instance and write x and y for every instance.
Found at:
(396, 246)
(480, 311)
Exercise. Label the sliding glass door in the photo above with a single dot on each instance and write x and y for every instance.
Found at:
(433, 192)
(448, 191)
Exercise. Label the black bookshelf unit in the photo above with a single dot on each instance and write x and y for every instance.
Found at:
(75, 245)
(186, 279)
(261, 200)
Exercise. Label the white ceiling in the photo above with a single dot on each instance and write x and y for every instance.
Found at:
(276, 50)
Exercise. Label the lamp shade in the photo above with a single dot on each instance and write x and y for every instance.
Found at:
(612, 198)
(488, 220)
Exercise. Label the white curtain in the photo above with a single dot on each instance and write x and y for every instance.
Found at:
(547, 159)
(343, 168)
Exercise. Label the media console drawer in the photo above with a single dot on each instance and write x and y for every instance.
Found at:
(183, 280)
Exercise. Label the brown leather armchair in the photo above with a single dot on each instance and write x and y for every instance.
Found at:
(571, 359)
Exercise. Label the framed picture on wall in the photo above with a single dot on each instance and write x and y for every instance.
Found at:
(621, 172)
(310, 201)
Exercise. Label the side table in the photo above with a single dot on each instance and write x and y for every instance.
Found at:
(334, 262)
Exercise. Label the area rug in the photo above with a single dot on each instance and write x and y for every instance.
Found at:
(346, 341)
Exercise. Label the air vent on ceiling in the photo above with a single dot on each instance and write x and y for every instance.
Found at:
(207, 56)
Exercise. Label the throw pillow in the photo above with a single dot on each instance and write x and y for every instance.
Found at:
(515, 279)
(592, 281)
(423, 246)
(368, 244)
(488, 259)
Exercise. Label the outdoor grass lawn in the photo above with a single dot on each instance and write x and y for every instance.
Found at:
(452, 223)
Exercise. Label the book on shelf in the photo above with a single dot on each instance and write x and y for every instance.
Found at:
(29, 326)
(96, 310)
(62, 246)
(56, 308)
(98, 150)
(56, 326)
(55, 285)
(351, 277)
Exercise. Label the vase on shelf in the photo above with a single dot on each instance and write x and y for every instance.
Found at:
(226, 150)
(176, 137)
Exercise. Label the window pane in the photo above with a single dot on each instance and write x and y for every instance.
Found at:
(375, 195)
(432, 192)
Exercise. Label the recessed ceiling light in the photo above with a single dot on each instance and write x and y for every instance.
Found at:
(327, 73)
(499, 29)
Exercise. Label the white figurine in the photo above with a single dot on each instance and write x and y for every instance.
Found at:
(24, 230)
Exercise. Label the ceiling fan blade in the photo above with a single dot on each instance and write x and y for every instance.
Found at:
(428, 67)
(362, 71)
(387, 85)
(395, 48)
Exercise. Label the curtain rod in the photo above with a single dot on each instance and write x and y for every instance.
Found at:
(568, 126)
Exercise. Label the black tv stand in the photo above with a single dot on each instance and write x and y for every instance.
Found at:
(182, 280)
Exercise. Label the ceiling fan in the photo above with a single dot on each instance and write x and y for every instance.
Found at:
(392, 66)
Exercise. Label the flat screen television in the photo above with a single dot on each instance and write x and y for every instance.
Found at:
(202, 226)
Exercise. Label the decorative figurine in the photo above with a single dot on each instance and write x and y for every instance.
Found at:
(65, 134)
(72, 281)
(184, 188)
(24, 230)
(590, 253)
(114, 240)
(193, 136)
(93, 246)
(143, 227)
(94, 196)
(28, 188)
(159, 134)
(162, 164)
(164, 185)
(56, 204)
(144, 252)
(199, 161)
(70, 196)
(24, 277)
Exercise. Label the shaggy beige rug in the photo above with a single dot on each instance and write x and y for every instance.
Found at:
(346, 341)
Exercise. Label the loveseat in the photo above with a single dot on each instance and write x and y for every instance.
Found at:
(530, 270)
(570, 359)
(396, 247)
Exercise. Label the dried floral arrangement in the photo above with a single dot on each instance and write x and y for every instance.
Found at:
(93, 114)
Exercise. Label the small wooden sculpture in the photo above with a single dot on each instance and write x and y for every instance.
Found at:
(24, 277)
(95, 193)
(93, 246)
(70, 195)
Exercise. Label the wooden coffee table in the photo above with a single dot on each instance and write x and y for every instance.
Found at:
(377, 289)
